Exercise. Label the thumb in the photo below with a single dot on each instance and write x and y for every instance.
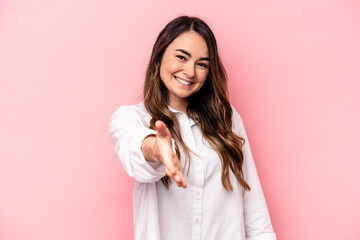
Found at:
(161, 128)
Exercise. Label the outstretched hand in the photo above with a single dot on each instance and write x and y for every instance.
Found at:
(159, 148)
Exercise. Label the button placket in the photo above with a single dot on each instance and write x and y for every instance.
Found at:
(186, 127)
(197, 196)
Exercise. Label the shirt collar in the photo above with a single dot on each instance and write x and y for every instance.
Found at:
(191, 120)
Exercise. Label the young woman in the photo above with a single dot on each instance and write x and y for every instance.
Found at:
(186, 146)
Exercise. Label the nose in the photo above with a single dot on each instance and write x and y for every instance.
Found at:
(189, 70)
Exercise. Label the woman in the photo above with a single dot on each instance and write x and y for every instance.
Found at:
(186, 146)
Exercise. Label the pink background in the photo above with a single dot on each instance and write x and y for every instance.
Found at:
(66, 66)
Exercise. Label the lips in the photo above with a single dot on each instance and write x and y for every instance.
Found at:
(183, 81)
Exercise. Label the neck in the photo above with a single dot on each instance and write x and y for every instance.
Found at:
(179, 105)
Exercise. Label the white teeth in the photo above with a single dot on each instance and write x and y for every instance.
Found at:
(182, 81)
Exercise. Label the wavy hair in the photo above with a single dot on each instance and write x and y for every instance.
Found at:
(209, 106)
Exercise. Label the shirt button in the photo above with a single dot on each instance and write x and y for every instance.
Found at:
(197, 192)
(197, 220)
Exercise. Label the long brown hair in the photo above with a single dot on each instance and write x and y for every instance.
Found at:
(209, 106)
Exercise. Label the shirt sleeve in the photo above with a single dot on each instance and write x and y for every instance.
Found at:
(256, 215)
(128, 132)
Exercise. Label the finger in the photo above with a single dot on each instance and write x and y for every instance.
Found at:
(180, 184)
(171, 169)
(183, 182)
(161, 128)
(180, 181)
(171, 165)
(176, 177)
(168, 173)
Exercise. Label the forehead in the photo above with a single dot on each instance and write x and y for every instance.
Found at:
(191, 42)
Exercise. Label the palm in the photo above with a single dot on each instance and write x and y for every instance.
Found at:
(166, 154)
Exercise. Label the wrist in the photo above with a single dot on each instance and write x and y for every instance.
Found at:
(148, 148)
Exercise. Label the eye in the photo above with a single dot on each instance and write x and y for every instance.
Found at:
(203, 65)
(181, 57)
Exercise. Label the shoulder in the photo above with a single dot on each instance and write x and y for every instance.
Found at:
(237, 122)
(235, 113)
(138, 109)
(135, 112)
(236, 117)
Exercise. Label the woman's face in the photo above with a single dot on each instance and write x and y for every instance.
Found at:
(184, 67)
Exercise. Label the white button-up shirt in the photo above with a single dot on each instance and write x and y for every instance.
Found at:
(202, 211)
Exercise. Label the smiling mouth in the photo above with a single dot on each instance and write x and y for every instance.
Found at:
(183, 81)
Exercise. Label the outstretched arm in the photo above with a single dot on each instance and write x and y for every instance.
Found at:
(146, 155)
(158, 148)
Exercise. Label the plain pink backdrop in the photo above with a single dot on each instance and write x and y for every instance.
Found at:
(66, 66)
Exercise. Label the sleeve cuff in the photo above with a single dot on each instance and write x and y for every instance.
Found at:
(263, 236)
(143, 170)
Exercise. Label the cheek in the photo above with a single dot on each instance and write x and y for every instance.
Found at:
(203, 76)
(165, 70)
(174, 66)
(170, 67)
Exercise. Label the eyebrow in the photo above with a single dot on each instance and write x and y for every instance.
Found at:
(187, 53)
